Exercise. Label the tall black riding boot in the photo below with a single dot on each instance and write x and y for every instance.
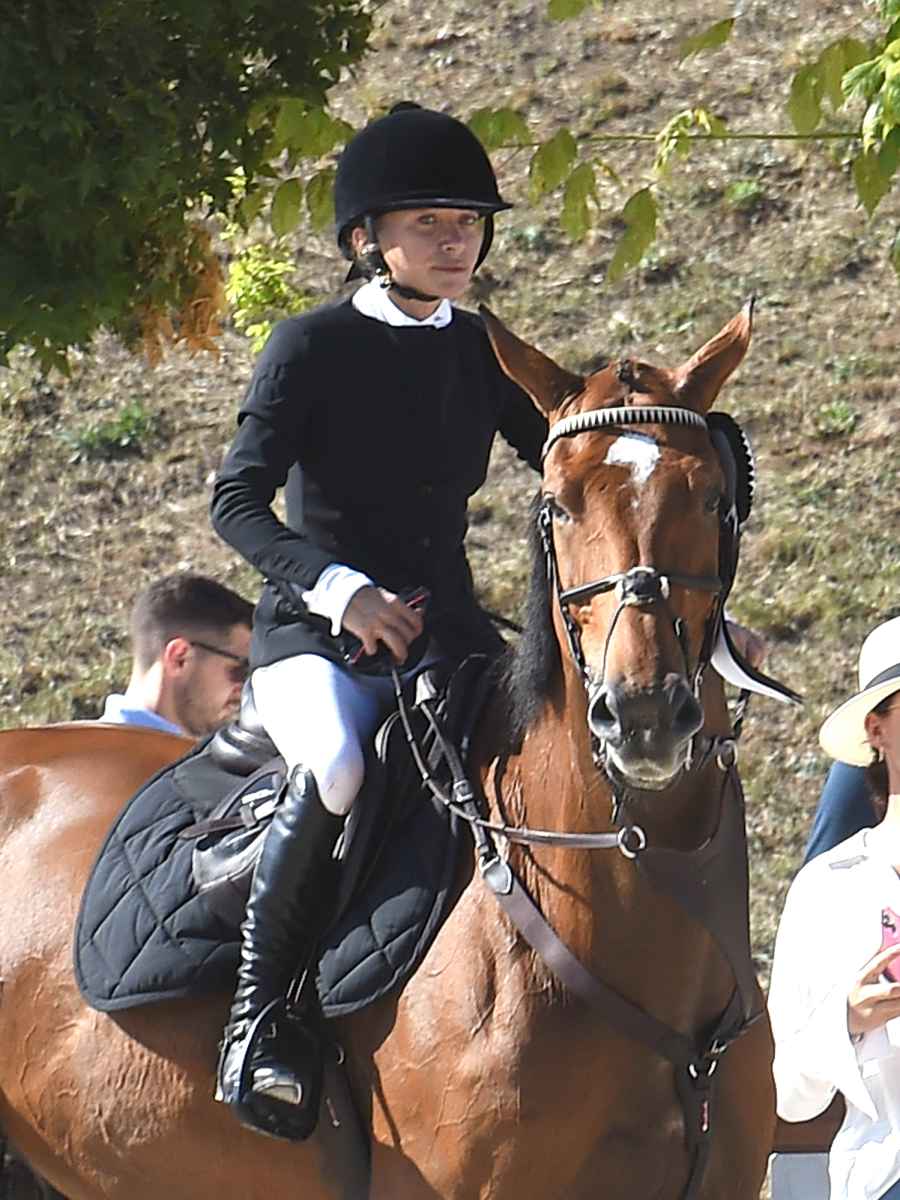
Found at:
(270, 1066)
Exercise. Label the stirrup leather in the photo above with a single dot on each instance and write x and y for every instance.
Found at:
(270, 1073)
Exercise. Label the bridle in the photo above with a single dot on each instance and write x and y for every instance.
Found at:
(639, 586)
(697, 879)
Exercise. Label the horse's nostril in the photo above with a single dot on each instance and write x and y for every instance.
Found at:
(687, 716)
(644, 717)
(602, 712)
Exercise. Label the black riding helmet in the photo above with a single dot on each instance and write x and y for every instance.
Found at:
(413, 158)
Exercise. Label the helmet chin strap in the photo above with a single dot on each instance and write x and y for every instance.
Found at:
(411, 293)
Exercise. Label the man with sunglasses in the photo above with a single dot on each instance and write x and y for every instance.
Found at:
(190, 639)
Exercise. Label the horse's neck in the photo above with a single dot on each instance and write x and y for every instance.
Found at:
(623, 930)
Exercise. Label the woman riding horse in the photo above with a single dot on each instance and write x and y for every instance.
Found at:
(379, 482)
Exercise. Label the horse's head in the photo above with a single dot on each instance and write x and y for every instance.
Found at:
(630, 517)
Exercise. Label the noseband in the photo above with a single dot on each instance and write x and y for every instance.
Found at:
(640, 586)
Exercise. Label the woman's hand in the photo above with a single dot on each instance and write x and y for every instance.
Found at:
(873, 1000)
(376, 615)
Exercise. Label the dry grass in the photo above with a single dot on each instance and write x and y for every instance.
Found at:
(818, 393)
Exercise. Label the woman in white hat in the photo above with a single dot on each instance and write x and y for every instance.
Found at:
(832, 1001)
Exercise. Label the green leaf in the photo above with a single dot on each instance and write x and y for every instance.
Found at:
(551, 162)
(805, 104)
(251, 204)
(834, 63)
(672, 139)
(309, 132)
(286, 206)
(870, 181)
(873, 124)
(831, 73)
(891, 97)
(889, 154)
(289, 124)
(710, 123)
(864, 80)
(710, 39)
(495, 127)
(581, 186)
(895, 254)
(260, 113)
(855, 52)
(639, 214)
(320, 199)
(562, 10)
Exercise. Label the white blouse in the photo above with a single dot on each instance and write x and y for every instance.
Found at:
(830, 927)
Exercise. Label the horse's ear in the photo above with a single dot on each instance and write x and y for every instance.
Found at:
(545, 382)
(699, 380)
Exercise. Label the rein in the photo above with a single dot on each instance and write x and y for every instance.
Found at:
(696, 879)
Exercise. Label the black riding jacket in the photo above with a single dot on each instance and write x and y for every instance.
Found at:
(379, 434)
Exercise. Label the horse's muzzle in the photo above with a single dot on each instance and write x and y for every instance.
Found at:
(646, 733)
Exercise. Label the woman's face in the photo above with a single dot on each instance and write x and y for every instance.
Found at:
(431, 249)
(883, 730)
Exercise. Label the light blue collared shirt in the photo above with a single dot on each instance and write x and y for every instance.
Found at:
(123, 710)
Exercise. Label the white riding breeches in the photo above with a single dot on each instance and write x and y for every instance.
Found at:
(320, 715)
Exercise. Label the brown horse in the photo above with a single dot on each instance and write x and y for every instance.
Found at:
(491, 1074)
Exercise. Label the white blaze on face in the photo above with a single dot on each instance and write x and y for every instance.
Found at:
(637, 451)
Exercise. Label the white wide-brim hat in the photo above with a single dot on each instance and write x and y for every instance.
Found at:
(843, 735)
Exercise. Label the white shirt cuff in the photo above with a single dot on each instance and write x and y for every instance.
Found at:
(333, 591)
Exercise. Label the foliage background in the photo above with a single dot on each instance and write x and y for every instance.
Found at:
(105, 475)
(123, 120)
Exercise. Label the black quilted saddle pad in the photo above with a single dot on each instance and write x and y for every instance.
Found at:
(145, 933)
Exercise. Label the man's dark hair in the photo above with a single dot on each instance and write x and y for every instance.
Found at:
(183, 605)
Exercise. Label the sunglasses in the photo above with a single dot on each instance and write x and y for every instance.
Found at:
(238, 673)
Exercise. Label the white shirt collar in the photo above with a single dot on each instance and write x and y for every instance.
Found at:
(372, 300)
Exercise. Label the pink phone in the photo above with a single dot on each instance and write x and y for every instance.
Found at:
(890, 936)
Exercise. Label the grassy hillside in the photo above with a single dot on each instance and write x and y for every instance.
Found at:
(104, 476)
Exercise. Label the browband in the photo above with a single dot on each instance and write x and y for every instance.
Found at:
(600, 418)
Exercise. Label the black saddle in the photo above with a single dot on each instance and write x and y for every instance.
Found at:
(161, 913)
(243, 746)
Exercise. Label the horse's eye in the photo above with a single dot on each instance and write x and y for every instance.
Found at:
(556, 510)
